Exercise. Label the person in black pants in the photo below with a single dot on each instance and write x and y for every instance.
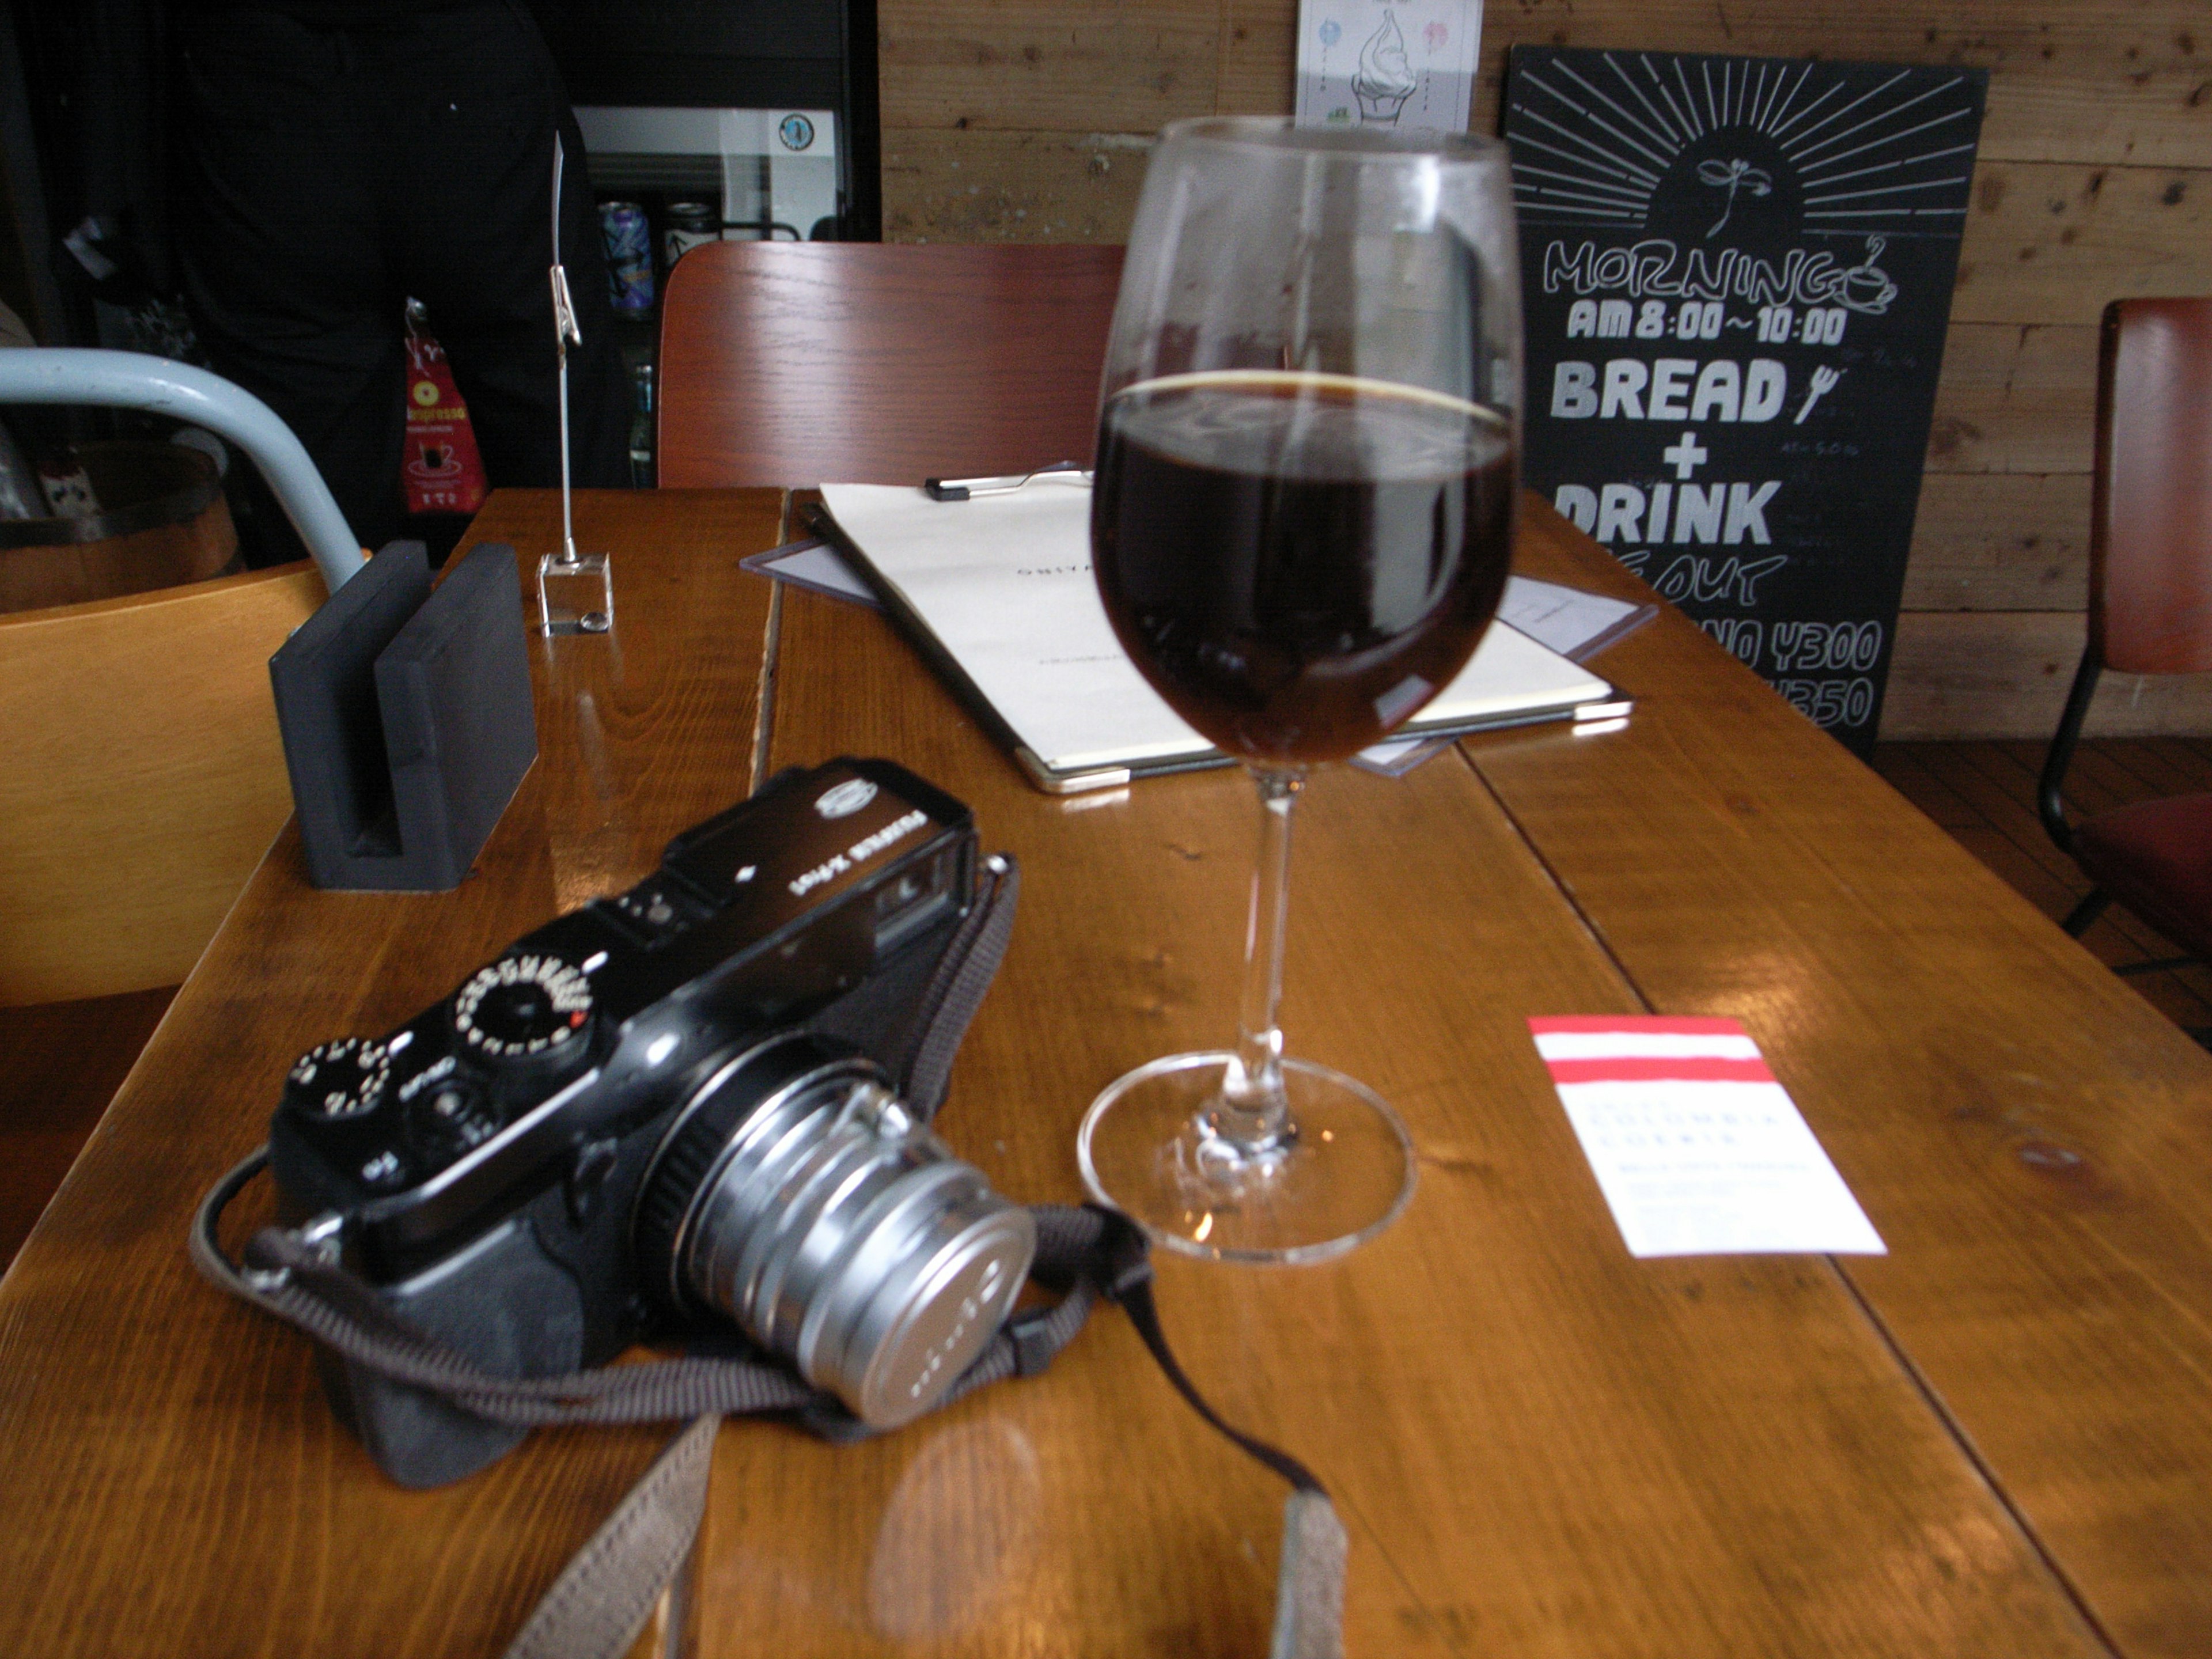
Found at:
(340, 156)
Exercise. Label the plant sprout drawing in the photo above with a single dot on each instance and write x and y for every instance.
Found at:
(1893, 157)
(1732, 176)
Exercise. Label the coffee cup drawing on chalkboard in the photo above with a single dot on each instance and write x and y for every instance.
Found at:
(1866, 286)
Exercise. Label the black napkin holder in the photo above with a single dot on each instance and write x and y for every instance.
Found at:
(407, 718)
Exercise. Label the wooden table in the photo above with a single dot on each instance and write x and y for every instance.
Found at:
(1995, 1440)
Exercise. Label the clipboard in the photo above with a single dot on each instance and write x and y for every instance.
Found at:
(953, 585)
(818, 521)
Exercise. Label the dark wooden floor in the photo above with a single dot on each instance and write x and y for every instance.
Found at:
(1984, 794)
(60, 1064)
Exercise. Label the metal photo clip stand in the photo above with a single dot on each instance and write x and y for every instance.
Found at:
(575, 574)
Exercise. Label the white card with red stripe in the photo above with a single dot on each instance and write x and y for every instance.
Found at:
(1698, 1150)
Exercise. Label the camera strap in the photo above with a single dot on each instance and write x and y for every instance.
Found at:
(604, 1595)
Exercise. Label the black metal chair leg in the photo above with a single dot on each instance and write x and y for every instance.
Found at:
(2086, 912)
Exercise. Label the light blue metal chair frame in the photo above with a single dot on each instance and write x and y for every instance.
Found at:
(130, 379)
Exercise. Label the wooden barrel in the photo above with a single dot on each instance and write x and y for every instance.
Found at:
(162, 522)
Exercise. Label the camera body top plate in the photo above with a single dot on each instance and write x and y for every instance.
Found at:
(584, 1031)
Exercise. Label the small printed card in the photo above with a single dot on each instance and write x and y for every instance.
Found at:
(1698, 1150)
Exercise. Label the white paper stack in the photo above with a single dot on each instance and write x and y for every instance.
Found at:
(998, 590)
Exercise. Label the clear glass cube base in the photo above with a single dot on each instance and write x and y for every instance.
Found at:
(575, 593)
(1341, 1172)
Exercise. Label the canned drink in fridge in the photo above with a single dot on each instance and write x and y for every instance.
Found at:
(689, 223)
(630, 256)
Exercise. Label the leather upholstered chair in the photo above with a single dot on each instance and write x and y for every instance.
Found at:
(859, 363)
(2150, 606)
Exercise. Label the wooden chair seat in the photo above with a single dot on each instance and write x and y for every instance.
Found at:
(858, 362)
(145, 780)
(2155, 858)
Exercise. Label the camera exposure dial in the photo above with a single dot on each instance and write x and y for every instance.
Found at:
(338, 1080)
(529, 1013)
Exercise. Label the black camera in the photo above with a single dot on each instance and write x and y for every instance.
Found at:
(684, 1103)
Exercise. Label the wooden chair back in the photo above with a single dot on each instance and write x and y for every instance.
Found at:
(145, 778)
(861, 363)
(2150, 546)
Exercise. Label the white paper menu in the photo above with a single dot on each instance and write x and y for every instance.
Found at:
(1575, 624)
(1003, 584)
(1698, 1150)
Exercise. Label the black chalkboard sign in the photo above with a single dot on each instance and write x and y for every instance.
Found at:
(1737, 275)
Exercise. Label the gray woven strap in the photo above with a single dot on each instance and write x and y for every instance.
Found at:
(607, 1591)
(608, 1588)
(284, 1275)
(604, 1595)
(1309, 1581)
(956, 990)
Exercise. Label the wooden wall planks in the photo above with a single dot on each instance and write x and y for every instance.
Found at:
(2007, 673)
(2050, 242)
(1049, 66)
(988, 186)
(2016, 398)
(2000, 541)
(2119, 83)
(1027, 120)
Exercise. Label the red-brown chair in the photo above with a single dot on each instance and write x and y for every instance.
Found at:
(800, 363)
(2150, 607)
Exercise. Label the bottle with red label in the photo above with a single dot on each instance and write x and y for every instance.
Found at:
(440, 470)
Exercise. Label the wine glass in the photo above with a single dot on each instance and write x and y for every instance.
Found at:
(1308, 460)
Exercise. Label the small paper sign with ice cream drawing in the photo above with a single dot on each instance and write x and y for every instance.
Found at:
(1408, 64)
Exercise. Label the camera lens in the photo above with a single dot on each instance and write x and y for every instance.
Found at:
(796, 1193)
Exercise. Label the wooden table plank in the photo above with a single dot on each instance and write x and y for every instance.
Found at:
(2030, 1137)
(171, 1478)
(1541, 1446)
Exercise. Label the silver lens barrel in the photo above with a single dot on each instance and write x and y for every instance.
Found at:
(811, 1207)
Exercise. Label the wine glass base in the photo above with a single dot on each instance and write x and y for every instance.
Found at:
(1343, 1173)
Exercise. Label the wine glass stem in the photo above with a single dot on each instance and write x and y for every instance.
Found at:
(1253, 1112)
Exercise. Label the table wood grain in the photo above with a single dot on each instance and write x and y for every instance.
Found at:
(2032, 1139)
(170, 1479)
(1540, 1446)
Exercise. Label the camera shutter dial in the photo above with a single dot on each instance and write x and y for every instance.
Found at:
(342, 1078)
(530, 1011)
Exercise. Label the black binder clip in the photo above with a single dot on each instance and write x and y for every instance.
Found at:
(961, 489)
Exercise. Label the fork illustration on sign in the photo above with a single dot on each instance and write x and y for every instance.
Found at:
(1824, 382)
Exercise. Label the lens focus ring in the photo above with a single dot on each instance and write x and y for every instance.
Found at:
(797, 1196)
